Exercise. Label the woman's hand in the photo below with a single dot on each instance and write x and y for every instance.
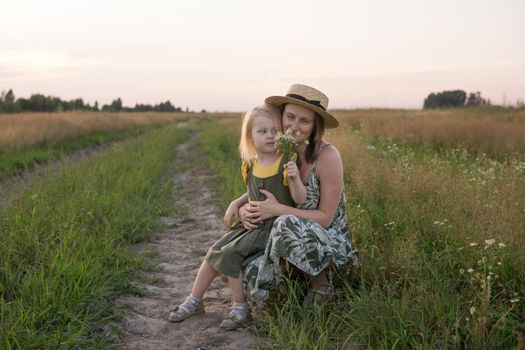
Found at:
(262, 210)
(247, 216)
(292, 170)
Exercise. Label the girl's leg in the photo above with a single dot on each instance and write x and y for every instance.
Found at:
(193, 304)
(240, 312)
(205, 276)
(236, 287)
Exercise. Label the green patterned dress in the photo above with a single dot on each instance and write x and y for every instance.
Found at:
(303, 243)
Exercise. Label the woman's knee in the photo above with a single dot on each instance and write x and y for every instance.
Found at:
(283, 219)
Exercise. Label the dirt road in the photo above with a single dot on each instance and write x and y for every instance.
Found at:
(178, 251)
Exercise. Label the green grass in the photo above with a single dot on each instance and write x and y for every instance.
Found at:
(420, 220)
(64, 243)
(220, 145)
(14, 162)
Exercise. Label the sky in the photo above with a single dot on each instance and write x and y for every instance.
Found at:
(229, 55)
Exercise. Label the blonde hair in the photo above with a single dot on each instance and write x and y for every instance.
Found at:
(246, 146)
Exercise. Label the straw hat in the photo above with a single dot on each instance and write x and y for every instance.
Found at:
(308, 97)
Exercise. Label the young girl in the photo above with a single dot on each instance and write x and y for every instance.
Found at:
(262, 168)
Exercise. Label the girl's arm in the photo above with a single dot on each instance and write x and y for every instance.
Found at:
(233, 209)
(330, 173)
(296, 186)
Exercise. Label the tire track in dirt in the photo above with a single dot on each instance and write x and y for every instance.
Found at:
(179, 251)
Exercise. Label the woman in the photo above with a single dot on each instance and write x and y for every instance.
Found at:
(312, 236)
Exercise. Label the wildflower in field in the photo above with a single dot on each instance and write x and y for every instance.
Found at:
(472, 310)
(489, 242)
(461, 271)
(501, 245)
(471, 270)
(473, 244)
(285, 144)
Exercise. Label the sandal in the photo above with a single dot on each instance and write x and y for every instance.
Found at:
(188, 308)
(317, 296)
(238, 317)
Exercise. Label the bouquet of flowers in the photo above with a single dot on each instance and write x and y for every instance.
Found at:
(285, 144)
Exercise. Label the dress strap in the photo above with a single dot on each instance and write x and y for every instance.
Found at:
(323, 145)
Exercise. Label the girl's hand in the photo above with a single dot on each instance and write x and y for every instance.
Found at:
(231, 212)
(292, 170)
(266, 209)
(247, 216)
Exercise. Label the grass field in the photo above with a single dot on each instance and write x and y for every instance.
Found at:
(436, 202)
(21, 130)
(64, 242)
(27, 139)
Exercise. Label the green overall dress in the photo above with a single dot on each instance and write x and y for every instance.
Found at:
(231, 253)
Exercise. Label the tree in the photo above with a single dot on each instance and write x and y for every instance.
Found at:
(9, 105)
(445, 99)
(78, 103)
(2, 96)
(42, 103)
(115, 106)
(475, 100)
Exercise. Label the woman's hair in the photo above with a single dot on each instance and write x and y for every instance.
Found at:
(246, 146)
(315, 140)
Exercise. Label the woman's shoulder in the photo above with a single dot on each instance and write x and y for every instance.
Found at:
(328, 154)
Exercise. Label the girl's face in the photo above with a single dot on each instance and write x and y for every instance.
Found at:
(300, 120)
(263, 134)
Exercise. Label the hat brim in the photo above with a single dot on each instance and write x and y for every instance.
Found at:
(330, 122)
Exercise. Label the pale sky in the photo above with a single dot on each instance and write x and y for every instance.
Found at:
(230, 55)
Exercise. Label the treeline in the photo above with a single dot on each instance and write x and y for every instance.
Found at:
(42, 103)
(116, 106)
(454, 99)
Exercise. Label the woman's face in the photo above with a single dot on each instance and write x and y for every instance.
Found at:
(300, 120)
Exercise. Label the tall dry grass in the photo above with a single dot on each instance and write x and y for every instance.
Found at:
(496, 132)
(27, 129)
(446, 235)
(481, 206)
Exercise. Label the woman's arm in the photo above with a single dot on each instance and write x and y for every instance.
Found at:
(233, 209)
(330, 173)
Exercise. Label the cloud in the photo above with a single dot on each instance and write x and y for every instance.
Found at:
(37, 64)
